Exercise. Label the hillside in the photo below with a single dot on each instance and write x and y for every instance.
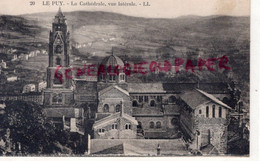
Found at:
(94, 33)
(13, 29)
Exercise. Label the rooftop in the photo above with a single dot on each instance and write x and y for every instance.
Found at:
(197, 97)
(146, 88)
(112, 60)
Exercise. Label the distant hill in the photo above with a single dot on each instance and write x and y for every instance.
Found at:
(18, 32)
(148, 38)
(102, 30)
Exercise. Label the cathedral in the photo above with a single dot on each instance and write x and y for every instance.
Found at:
(110, 108)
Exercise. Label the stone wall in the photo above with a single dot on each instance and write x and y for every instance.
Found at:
(213, 131)
(145, 147)
(117, 96)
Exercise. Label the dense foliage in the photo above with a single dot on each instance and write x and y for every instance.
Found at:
(29, 131)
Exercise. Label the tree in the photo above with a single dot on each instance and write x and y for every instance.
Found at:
(235, 95)
(29, 130)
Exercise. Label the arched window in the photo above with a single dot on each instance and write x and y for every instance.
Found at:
(220, 112)
(159, 98)
(213, 111)
(134, 103)
(106, 108)
(58, 61)
(140, 99)
(158, 124)
(56, 78)
(114, 126)
(58, 49)
(127, 126)
(101, 130)
(112, 77)
(57, 98)
(101, 77)
(207, 111)
(151, 124)
(145, 98)
(172, 99)
(122, 77)
(118, 108)
(174, 121)
(152, 103)
(200, 111)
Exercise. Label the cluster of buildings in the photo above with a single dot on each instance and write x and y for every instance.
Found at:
(15, 55)
(7, 75)
(111, 109)
(39, 87)
(114, 113)
(31, 54)
(12, 55)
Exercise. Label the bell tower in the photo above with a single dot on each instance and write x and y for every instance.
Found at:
(59, 42)
(58, 53)
(59, 86)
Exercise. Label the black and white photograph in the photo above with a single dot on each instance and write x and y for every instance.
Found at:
(115, 78)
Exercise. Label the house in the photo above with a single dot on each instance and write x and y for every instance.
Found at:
(11, 78)
(29, 88)
(25, 57)
(14, 57)
(37, 52)
(44, 52)
(31, 54)
(204, 120)
(2, 107)
(42, 85)
(21, 56)
(3, 64)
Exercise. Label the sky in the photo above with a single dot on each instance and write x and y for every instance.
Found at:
(157, 8)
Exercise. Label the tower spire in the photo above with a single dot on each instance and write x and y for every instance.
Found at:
(59, 18)
(60, 14)
(112, 50)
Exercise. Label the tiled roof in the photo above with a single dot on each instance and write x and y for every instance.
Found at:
(110, 87)
(146, 88)
(113, 61)
(207, 87)
(214, 99)
(146, 111)
(197, 97)
(101, 116)
(114, 117)
(130, 118)
(107, 119)
(171, 109)
(60, 112)
(193, 98)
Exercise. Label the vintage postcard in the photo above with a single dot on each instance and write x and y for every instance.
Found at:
(119, 78)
